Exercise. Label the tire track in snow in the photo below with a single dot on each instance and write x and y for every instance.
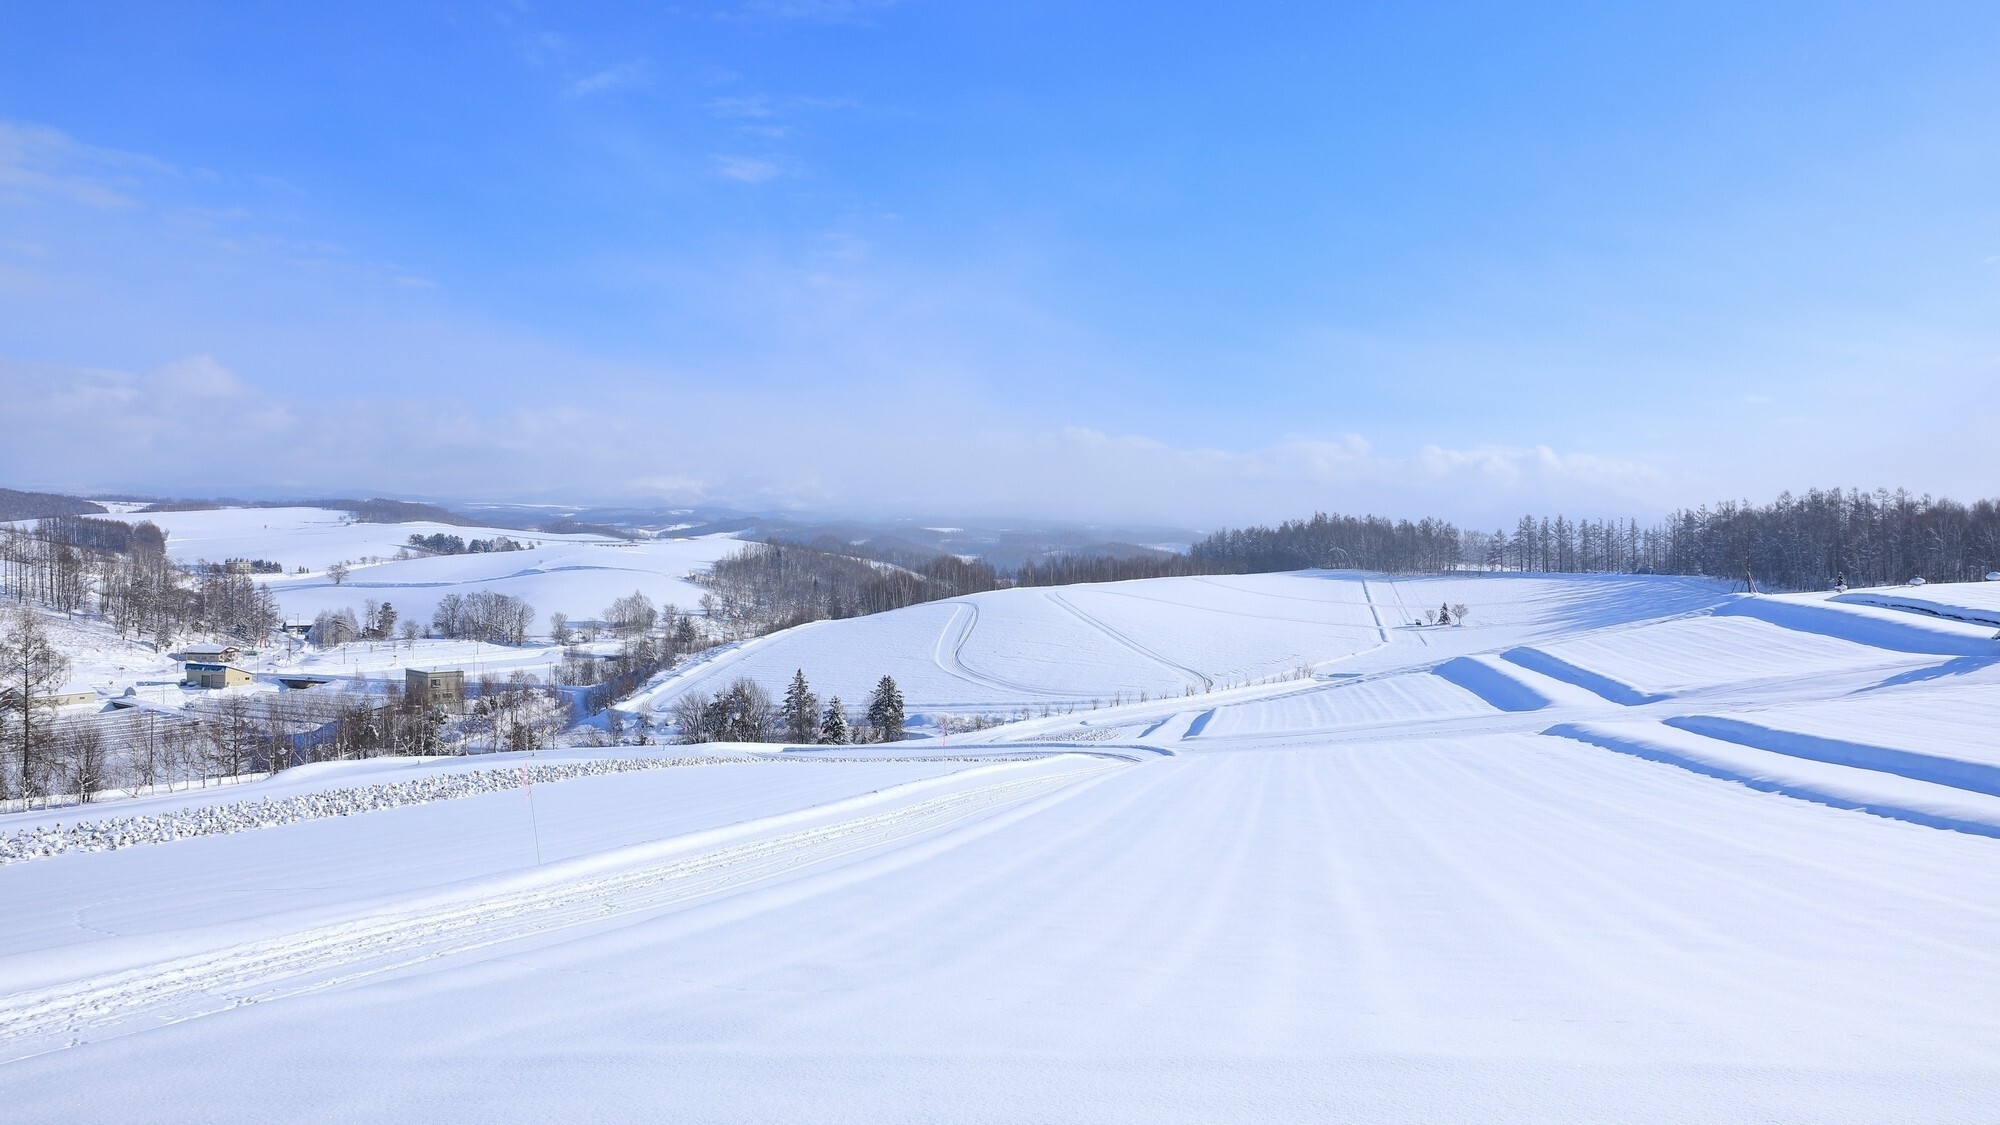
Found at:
(573, 894)
(1403, 611)
(1220, 611)
(948, 655)
(1375, 611)
(1193, 676)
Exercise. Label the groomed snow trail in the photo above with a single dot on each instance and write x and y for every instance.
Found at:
(619, 884)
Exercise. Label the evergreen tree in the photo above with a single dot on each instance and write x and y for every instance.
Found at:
(885, 711)
(801, 710)
(833, 729)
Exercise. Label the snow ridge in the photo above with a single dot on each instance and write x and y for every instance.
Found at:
(113, 833)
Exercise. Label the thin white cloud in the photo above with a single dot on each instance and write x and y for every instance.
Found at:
(748, 169)
(829, 11)
(633, 75)
(742, 106)
(544, 48)
(40, 162)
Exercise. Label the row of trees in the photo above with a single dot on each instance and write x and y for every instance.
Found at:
(1064, 570)
(1359, 542)
(483, 615)
(1810, 541)
(744, 712)
(443, 543)
(1795, 542)
(769, 586)
(378, 622)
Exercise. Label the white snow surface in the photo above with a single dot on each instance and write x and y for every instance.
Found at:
(1973, 602)
(574, 574)
(314, 538)
(1616, 849)
(1074, 647)
(579, 579)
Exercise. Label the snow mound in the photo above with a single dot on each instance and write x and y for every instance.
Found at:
(1975, 603)
(1863, 624)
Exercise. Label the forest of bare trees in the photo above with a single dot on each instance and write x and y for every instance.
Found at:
(1793, 543)
(483, 615)
(1352, 542)
(770, 586)
(75, 564)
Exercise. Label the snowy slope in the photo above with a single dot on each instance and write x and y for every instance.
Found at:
(1635, 850)
(314, 538)
(1075, 647)
(577, 579)
(578, 575)
(1976, 603)
(1675, 657)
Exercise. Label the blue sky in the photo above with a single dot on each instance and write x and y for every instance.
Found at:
(1196, 263)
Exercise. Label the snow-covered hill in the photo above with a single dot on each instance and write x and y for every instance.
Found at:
(1079, 647)
(578, 575)
(1615, 849)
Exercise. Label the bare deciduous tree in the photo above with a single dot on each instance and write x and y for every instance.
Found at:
(31, 670)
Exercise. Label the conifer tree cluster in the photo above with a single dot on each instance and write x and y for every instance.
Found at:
(743, 713)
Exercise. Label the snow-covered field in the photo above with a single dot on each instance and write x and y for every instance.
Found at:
(578, 575)
(1973, 602)
(314, 538)
(1078, 647)
(1616, 849)
(577, 579)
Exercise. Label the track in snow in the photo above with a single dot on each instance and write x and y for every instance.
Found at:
(572, 894)
(949, 654)
(1192, 676)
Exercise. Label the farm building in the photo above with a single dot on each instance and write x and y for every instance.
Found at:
(434, 685)
(201, 673)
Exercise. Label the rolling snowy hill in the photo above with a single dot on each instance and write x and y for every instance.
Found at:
(577, 575)
(1615, 849)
